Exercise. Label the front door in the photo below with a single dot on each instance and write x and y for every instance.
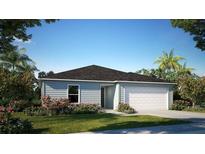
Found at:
(102, 97)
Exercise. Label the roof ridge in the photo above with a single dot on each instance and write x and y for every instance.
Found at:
(93, 65)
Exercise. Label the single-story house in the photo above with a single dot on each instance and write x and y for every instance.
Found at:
(108, 87)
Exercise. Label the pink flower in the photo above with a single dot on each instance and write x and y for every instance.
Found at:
(2, 109)
(10, 109)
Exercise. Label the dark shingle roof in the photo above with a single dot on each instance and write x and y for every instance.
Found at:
(94, 72)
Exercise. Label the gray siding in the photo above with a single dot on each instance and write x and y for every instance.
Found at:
(55, 89)
(89, 91)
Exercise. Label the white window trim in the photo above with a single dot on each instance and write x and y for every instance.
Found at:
(79, 100)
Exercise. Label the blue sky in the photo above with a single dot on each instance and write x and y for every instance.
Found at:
(127, 45)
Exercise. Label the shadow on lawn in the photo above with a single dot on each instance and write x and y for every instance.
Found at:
(39, 131)
(134, 124)
(75, 117)
(122, 125)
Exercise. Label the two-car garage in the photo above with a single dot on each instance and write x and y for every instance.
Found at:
(145, 97)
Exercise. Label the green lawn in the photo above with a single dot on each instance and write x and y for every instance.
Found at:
(92, 122)
(200, 110)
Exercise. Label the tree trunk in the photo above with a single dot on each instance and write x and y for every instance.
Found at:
(193, 104)
(13, 67)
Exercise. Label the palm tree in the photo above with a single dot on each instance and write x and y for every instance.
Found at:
(16, 61)
(169, 62)
(143, 71)
(185, 70)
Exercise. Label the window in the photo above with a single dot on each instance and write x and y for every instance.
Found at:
(73, 93)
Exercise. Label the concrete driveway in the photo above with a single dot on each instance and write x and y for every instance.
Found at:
(197, 125)
(191, 116)
(192, 128)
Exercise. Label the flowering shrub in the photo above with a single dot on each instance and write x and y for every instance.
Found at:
(70, 109)
(5, 113)
(49, 103)
(125, 108)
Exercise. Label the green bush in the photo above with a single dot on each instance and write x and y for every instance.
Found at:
(181, 105)
(20, 105)
(70, 109)
(202, 104)
(125, 108)
(36, 102)
(195, 109)
(36, 111)
(15, 126)
(16, 85)
(86, 108)
(192, 88)
(4, 102)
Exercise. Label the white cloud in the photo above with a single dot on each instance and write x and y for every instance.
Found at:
(21, 41)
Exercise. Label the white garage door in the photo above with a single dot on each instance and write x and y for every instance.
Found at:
(146, 98)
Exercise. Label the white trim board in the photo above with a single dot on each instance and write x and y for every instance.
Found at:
(103, 81)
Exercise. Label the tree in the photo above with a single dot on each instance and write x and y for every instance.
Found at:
(50, 73)
(17, 61)
(11, 29)
(168, 62)
(42, 74)
(16, 86)
(184, 70)
(196, 28)
(144, 72)
(192, 89)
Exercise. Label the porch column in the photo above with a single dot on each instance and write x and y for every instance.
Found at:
(116, 96)
(170, 98)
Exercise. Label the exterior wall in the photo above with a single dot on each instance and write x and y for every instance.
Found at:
(89, 91)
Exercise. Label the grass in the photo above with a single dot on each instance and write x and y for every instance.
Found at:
(92, 122)
(200, 110)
